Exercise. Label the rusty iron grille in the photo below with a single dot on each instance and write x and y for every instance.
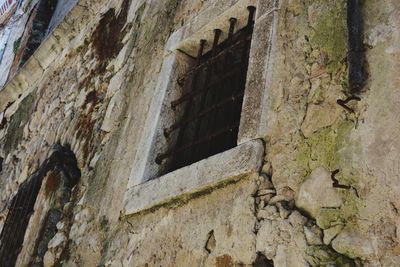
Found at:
(212, 99)
(21, 206)
(20, 211)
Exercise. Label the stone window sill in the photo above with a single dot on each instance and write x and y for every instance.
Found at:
(222, 168)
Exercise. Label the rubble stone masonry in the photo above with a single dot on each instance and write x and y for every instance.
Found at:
(324, 185)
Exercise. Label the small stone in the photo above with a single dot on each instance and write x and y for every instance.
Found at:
(296, 81)
(267, 169)
(264, 192)
(320, 116)
(289, 256)
(287, 193)
(94, 160)
(49, 259)
(122, 56)
(323, 59)
(314, 68)
(284, 212)
(60, 225)
(317, 192)
(313, 235)
(113, 112)
(331, 233)
(295, 218)
(265, 183)
(315, 54)
(353, 244)
(115, 84)
(276, 199)
(58, 240)
(328, 218)
(262, 204)
(266, 198)
(269, 212)
(265, 238)
(83, 215)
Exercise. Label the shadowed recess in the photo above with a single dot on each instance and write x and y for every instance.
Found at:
(21, 207)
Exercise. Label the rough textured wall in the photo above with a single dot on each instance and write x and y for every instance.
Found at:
(96, 100)
(311, 136)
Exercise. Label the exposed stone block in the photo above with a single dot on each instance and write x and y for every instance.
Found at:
(206, 174)
(317, 192)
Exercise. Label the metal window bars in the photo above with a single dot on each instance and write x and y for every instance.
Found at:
(20, 211)
(212, 99)
(22, 204)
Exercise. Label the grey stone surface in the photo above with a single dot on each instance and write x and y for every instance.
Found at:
(259, 77)
(353, 244)
(318, 192)
(331, 233)
(301, 127)
(206, 174)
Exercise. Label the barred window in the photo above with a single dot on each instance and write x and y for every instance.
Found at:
(56, 177)
(212, 99)
(20, 211)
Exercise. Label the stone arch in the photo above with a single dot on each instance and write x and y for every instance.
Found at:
(55, 177)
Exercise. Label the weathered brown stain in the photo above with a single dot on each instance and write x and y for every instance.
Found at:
(224, 261)
(107, 38)
(52, 182)
(84, 129)
(91, 98)
(85, 125)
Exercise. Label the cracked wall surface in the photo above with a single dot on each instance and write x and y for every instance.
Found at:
(326, 195)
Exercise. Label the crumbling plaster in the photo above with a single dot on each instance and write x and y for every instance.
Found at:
(99, 108)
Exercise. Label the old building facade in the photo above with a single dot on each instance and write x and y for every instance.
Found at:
(91, 130)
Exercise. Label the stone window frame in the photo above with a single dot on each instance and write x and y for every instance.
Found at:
(143, 191)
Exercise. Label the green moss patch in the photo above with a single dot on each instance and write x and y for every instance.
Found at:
(16, 45)
(326, 148)
(330, 34)
(326, 256)
(17, 124)
(332, 148)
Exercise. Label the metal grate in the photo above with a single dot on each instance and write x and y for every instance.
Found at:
(212, 100)
(14, 229)
(22, 204)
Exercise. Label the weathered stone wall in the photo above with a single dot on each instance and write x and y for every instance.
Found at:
(95, 97)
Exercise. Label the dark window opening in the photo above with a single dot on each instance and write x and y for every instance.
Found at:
(213, 91)
(41, 21)
(22, 204)
(262, 261)
(20, 211)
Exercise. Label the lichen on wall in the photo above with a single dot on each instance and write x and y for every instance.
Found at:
(326, 195)
(329, 31)
(330, 137)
